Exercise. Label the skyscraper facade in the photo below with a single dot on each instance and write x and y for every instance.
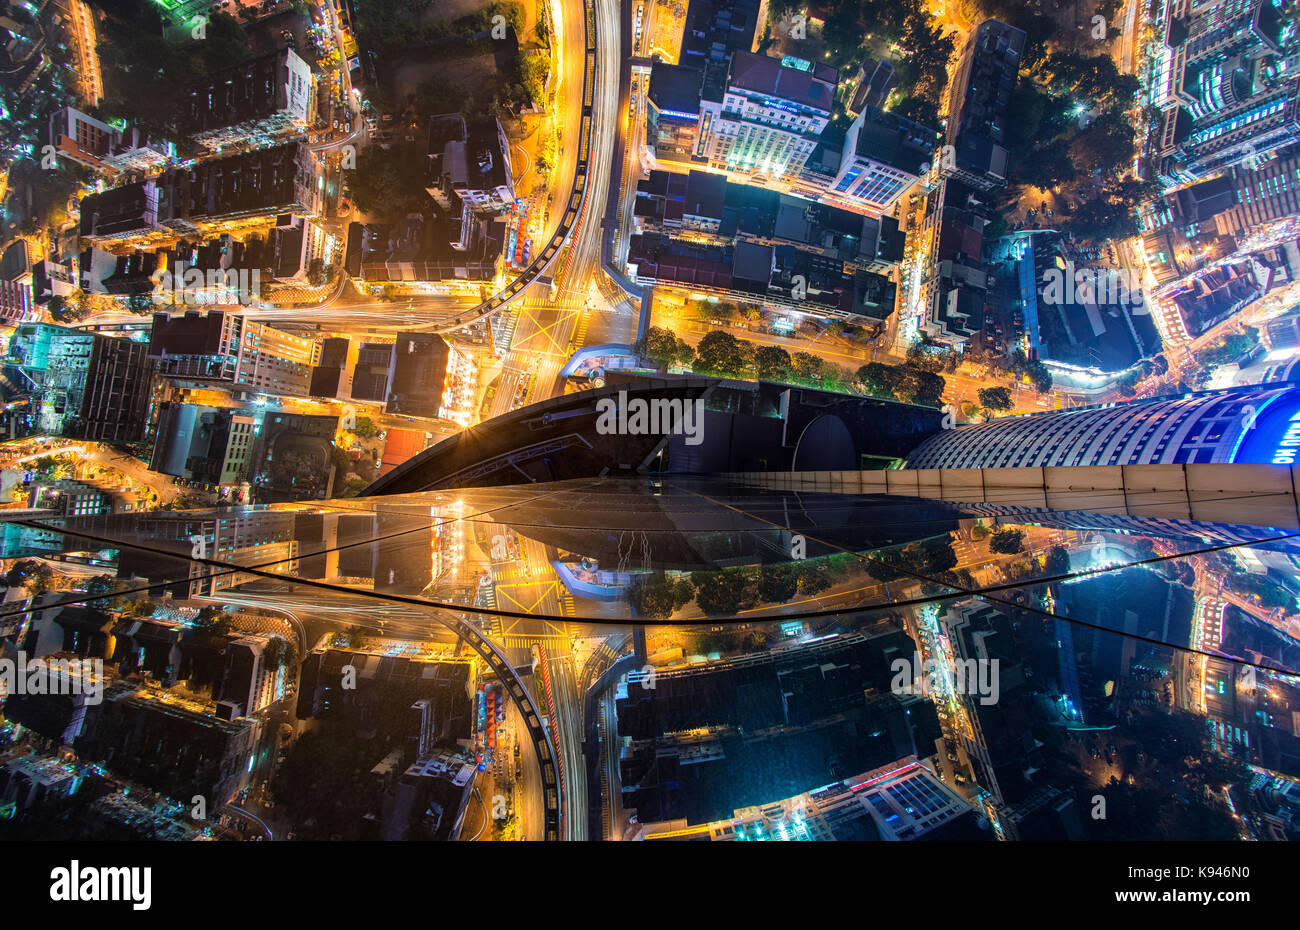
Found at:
(1259, 424)
(1223, 85)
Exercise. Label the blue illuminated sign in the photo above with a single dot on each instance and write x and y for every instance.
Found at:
(1272, 436)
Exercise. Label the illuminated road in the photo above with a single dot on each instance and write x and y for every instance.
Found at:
(549, 330)
(585, 65)
(632, 168)
(330, 12)
(529, 584)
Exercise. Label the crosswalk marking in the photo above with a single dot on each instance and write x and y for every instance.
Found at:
(581, 334)
(514, 641)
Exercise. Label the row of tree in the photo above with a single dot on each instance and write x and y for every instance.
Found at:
(721, 354)
(729, 590)
(726, 591)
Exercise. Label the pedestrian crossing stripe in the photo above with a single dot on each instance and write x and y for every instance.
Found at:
(512, 641)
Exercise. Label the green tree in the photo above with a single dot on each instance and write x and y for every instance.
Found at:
(777, 584)
(879, 379)
(340, 459)
(213, 620)
(918, 110)
(1102, 218)
(1008, 541)
(658, 598)
(316, 272)
(1058, 561)
(1040, 377)
(921, 387)
(996, 398)
(68, 309)
(101, 585)
(724, 592)
(812, 577)
(720, 353)
(390, 183)
(34, 575)
(664, 348)
(939, 555)
(807, 368)
(772, 363)
(1048, 166)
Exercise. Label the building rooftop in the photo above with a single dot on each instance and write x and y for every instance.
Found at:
(895, 141)
(762, 75)
(675, 89)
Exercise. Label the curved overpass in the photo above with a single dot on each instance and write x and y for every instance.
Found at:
(569, 221)
(543, 745)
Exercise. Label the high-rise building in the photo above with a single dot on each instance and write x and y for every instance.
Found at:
(973, 162)
(293, 246)
(79, 137)
(980, 93)
(104, 147)
(115, 403)
(1283, 332)
(673, 113)
(133, 150)
(329, 377)
(470, 162)
(53, 362)
(249, 679)
(137, 729)
(431, 378)
(708, 205)
(373, 372)
(883, 156)
(204, 196)
(1260, 195)
(955, 287)
(294, 456)
(83, 385)
(208, 444)
(77, 498)
(252, 185)
(420, 375)
(470, 253)
(121, 213)
(903, 800)
(1224, 84)
(1098, 327)
(875, 80)
(231, 348)
(15, 301)
(768, 116)
(714, 29)
(249, 104)
(1258, 424)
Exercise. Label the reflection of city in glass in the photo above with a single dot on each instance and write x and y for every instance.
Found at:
(649, 420)
(885, 667)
